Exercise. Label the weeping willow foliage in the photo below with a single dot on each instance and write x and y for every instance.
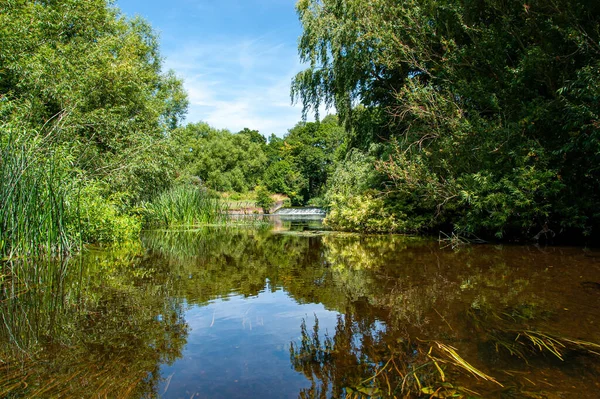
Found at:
(482, 115)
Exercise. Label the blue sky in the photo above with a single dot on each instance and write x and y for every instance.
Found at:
(237, 58)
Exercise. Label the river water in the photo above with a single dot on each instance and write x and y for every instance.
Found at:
(285, 310)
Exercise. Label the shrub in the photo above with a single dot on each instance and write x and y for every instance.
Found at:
(263, 199)
(363, 213)
(103, 220)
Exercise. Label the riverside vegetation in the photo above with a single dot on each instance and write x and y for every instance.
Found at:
(474, 118)
(479, 119)
(92, 144)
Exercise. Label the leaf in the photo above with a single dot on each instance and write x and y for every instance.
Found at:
(371, 391)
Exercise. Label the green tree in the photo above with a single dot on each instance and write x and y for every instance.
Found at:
(263, 199)
(85, 81)
(484, 114)
(94, 79)
(302, 161)
(254, 136)
(222, 160)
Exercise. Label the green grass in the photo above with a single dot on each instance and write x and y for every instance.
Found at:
(185, 205)
(35, 187)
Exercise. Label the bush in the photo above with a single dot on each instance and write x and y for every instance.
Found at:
(363, 213)
(104, 220)
(319, 202)
(263, 199)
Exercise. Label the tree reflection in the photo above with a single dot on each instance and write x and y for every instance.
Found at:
(419, 321)
(334, 364)
(413, 318)
(82, 328)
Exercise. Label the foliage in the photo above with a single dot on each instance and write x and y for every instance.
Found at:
(263, 199)
(38, 211)
(282, 177)
(364, 213)
(301, 162)
(254, 136)
(106, 220)
(222, 160)
(89, 83)
(319, 202)
(484, 114)
(184, 205)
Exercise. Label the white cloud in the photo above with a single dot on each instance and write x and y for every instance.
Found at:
(237, 84)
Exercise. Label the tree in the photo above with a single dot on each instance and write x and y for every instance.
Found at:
(303, 159)
(254, 136)
(483, 114)
(263, 199)
(78, 78)
(222, 160)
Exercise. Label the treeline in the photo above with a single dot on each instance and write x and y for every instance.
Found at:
(478, 118)
(474, 118)
(297, 165)
(92, 143)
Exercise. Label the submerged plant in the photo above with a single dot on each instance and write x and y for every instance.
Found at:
(507, 330)
(376, 368)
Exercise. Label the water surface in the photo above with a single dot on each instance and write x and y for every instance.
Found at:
(287, 311)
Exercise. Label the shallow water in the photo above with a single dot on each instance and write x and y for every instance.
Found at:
(287, 311)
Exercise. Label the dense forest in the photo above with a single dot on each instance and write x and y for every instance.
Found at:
(476, 118)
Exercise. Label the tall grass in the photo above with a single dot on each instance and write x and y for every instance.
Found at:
(185, 205)
(35, 188)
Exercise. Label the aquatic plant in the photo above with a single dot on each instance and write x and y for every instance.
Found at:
(507, 331)
(369, 367)
(184, 205)
(49, 208)
(38, 201)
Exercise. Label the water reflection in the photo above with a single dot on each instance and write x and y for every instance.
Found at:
(85, 328)
(292, 312)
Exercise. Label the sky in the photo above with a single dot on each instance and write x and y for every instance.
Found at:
(236, 57)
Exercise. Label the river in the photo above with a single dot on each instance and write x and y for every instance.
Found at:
(286, 310)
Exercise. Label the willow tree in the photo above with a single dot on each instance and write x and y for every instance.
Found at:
(488, 109)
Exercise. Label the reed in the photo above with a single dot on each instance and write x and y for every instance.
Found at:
(185, 205)
(35, 187)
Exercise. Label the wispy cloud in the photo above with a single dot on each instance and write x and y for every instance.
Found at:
(237, 58)
(237, 83)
